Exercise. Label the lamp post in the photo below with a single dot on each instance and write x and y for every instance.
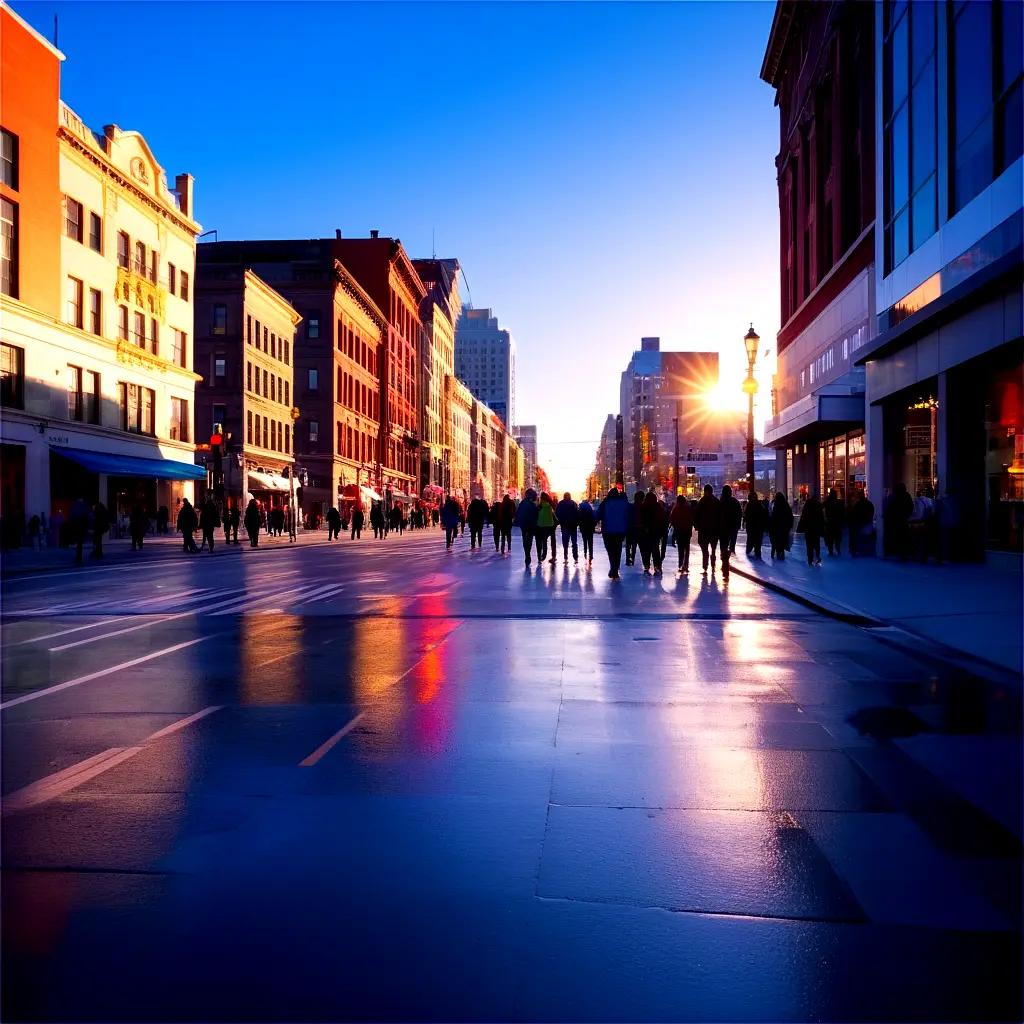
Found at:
(295, 414)
(750, 341)
(675, 430)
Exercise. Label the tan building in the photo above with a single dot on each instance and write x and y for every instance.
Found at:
(460, 426)
(98, 388)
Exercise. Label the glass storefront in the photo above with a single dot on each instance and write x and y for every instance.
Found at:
(1004, 458)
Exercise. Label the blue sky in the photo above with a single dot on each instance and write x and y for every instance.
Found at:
(602, 171)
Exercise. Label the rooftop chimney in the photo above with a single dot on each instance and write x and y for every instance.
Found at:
(374, 233)
(183, 185)
(650, 344)
(337, 233)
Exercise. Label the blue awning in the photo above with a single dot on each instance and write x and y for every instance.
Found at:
(130, 465)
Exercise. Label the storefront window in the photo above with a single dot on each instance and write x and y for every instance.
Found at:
(919, 444)
(1004, 417)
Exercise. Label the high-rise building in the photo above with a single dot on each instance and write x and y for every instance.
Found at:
(96, 265)
(663, 394)
(826, 182)
(485, 358)
(603, 477)
(526, 438)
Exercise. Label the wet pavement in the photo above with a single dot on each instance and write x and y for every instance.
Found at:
(382, 781)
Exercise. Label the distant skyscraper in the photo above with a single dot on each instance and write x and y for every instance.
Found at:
(485, 359)
(526, 438)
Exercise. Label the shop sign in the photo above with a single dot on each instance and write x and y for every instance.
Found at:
(58, 439)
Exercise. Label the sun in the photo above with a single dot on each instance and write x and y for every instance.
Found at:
(722, 398)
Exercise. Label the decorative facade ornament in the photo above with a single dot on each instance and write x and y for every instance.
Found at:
(139, 170)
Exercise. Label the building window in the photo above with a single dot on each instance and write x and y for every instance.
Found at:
(219, 416)
(287, 353)
(287, 396)
(266, 384)
(256, 436)
(154, 336)
(273, 387)
(179, 419)
(122, 322)
(8, 159)
(248, 330)
(137, 408)
(72, 218)
(220, 319)
(74, 386)
(172, 278)
(313, 378)
(273, 345)
(178, 345)
(95, 232)
(248, 427)
(184, 285)
(12, 377)
(139, 330)
(314, 430)
(95, 311)
(73, 304)
(154, 265)
(91, 397)
(140, 259)
(123, 248)
(8, 248)
(287, 439)
(220, 369)
(313, 326)
(1009, 84)
(248, 376)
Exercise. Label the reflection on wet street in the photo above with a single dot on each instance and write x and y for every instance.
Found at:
(386, 782)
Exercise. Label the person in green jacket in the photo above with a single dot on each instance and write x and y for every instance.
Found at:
(546, 523)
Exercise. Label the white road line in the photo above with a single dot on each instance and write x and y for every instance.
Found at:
(70, 778)
(324, 747)
(36, 694)
(64, 632)
(247, 604)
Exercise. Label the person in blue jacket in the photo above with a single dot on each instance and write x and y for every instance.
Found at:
(526, 520)
(613, 515)
(568, 515)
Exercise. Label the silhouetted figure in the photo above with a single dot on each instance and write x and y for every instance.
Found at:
(494, 518)
(546, 523)
(252, 523)
(862, 526)
(567, 513)
(100, 525)
(451, 517)
(78, 522)
(755, 519)
(187, 524)
(232, 521)
(377, 520)
(333, 523)
(780, 522)
(633, 527)
(506, 520)
(209, 520)
(613, 515)
(476, 516)
(652, 519)
(681, 519)
(812, 526)
(163, 517)
(707, 520)
(526, 520)
(587, 524)
(138, 524)
(835, 522)
(896, 515)
(730, 514)
(358, 516)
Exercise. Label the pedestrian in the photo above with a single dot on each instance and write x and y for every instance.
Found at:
(377, 520)
(209, 520)
(613, 515)
(651, 527)
(506, 520)
(835, 522)
(681, 519)
(476, 516)
(187, 524)
(494, 518)
(34, 530)
(451, 517)
(234, 519)
(731, 516)
(812, 526)
(100, 525)
(947, 519)
(78, 521)
(138, 524)
(755, 519)
(252, 523)
(706, 521)
(333, 523)
(588, 523)
(357, 523)
(896, 513)
(567, 513)
(546, 523)
(780, 522)
(633, 529)
(162, 519)
(862, 526)
(922, 524)
(526, 520)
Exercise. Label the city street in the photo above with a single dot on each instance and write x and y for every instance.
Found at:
(379, 780)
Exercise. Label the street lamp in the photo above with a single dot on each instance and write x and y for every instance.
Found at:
(750, 342)
(295, 414)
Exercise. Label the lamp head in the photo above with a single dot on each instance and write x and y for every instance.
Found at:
(750, 386)
(750, 341)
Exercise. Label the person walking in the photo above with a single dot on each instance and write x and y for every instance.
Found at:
(922, 523)
(209, 520)
(567, 512)
(546, 523)
(78, 520)
(100, 525)
(587, 523)
(333, 523)
(681, 520)
(476, 516)
(755, 519)
(357, 522)
(862, 526)
(506, 520)
(526, 519)
(706, 521)
(896, 513)
(233, 519)
(633, 529)
(138, 524)
(187, 524)
(494, 518)
(451, 516)
(780, 522)
(731, 516)
(377, 520)
(651, 527)
(812, 526)
(834, 510)
(252, 523)
(163, 517)
(613, 515)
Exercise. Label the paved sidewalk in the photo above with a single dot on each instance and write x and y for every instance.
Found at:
(974, 609)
